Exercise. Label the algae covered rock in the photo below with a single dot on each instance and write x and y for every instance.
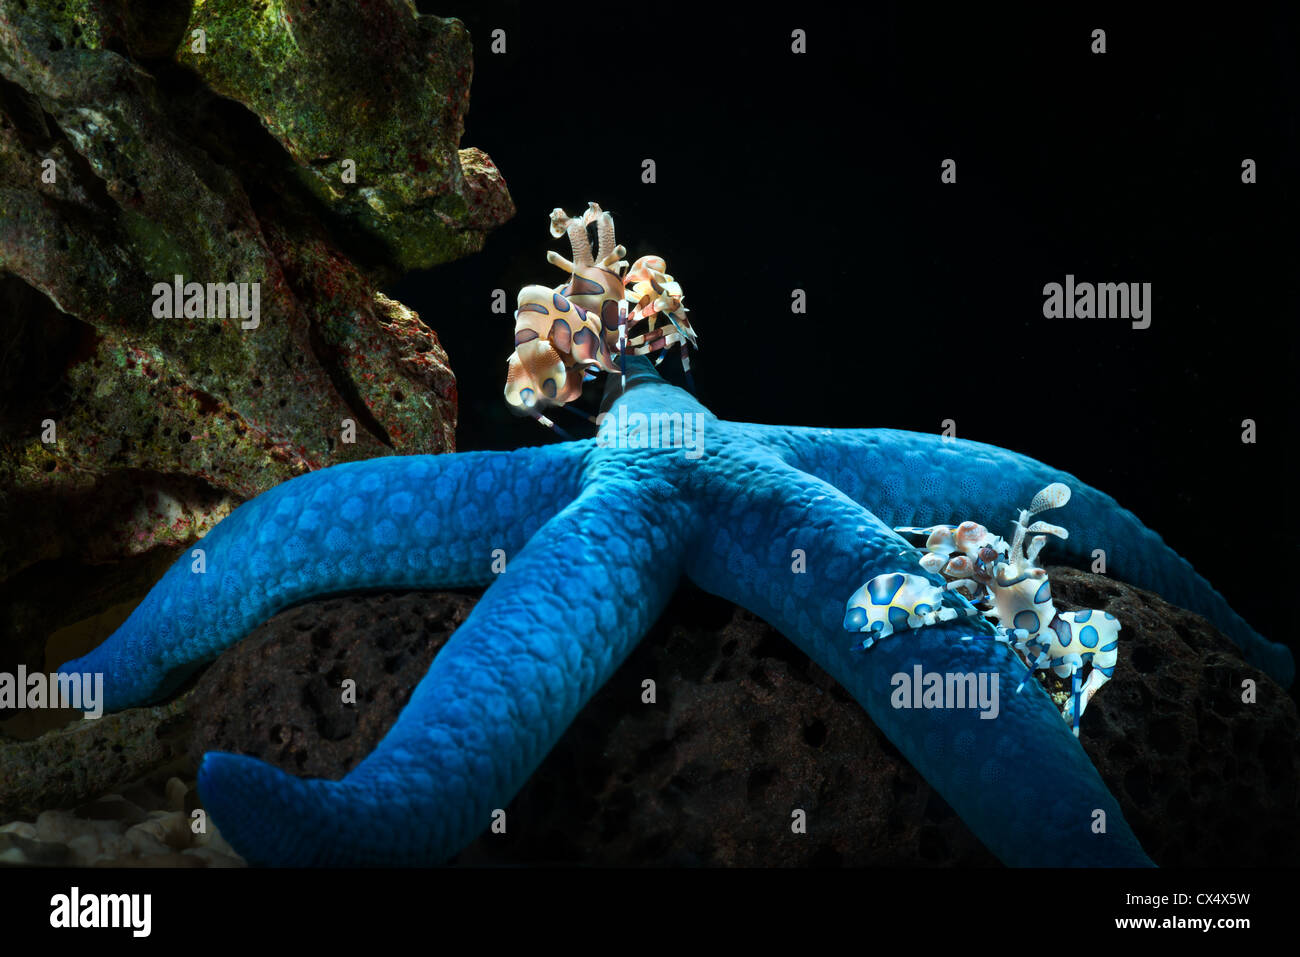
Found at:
(89, 758)
(294, 63)
(145, 141)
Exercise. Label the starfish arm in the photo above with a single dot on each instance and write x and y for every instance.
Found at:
(423, 521)
(543, 638)
(1020, 780)
(912, 478)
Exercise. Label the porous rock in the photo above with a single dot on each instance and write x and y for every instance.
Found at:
(746, 729)
(295, 665)
(89, 758)
(220, 166)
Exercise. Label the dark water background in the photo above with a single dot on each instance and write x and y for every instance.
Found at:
(821, 172)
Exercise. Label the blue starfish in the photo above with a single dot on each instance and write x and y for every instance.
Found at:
(595, 539)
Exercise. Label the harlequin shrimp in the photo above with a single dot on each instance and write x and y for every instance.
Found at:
(1005, 583)
(897, 602)
(652, 294)
(557, 342)
(975, 561)
(965, 555)
(567, 335)
(561, 334)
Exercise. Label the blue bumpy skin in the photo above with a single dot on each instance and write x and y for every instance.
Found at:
(595, 539)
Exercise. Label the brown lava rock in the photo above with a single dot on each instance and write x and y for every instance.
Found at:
(746, 729)
(278, 694)
(1204, 778)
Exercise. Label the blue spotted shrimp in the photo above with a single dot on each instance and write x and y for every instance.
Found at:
(1003, 581)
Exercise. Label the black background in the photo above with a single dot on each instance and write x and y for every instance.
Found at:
(757, 910)
(821, 172)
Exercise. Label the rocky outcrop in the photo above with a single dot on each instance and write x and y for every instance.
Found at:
(89, 757)
(396, 113)
(309, 148)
